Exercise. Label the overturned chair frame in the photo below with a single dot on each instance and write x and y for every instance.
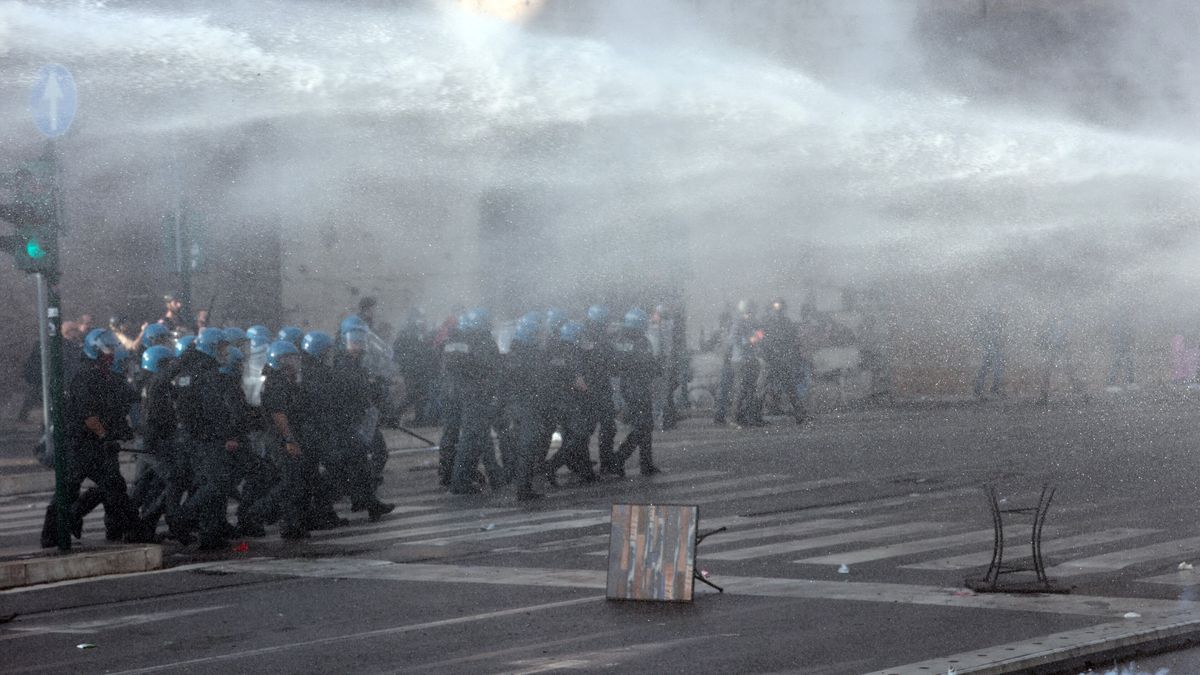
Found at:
(1036, 516)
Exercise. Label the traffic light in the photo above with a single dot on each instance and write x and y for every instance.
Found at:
(34, 243)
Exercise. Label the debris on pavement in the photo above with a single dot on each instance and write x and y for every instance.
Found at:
(85, 645)
(844, 569)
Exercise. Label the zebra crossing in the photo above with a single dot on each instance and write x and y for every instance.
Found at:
(917, 533)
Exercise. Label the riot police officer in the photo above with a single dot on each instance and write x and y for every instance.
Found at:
(472, 361)
(96, 402)
(525, 397)
(598, 372)
(566, 368)
(283, 406)
(159, 488)
(637, 368)
(318, 435)
(210, 418)
(781, 355)
(355, 421)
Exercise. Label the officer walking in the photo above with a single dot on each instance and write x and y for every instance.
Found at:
(355, 421)
(599, 370)
(472, 362)
(317, 431)
(567, 365)
(283, 406)
(637, 368)
(781, 354)
(160, 488)
(525, 397)
(210, 419)
(96, 403)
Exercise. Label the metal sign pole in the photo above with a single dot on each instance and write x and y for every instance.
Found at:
(52, 366)
(50, 334)
(43, 344)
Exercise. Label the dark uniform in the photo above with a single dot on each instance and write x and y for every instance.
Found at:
(210, 416)
(472, 362)
(94, 392)
(287, 500)
(566, 364)
(417, 364)
(599, 369)
(781, 353)
(637, 369)
(526, 397)
(161, 489)
(316, 430)
(354, 426)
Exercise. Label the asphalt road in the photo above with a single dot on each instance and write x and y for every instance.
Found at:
(849, 540)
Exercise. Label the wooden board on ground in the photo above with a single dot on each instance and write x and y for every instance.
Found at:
(652, 552)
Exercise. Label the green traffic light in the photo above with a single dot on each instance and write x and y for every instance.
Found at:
(33, 248)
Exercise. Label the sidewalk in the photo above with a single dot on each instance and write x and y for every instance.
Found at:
(20, 569)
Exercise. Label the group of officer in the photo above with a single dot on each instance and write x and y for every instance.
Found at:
(558, 375)
(763, 366)
(286, 424)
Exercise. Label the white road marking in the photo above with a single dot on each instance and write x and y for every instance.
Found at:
(1021, 549)
(97, 625)
(797, 528)
(523, 518)
(901, 549)
(520, 530)
(1110, 562)
(1046, 650)
(1073, 604)
(1176, 578)
(794, 545)
(364, 635)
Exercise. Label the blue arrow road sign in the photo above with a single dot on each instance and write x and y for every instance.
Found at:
(53, 100)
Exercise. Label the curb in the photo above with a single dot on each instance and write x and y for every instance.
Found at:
(48, 569)
(1068, 652)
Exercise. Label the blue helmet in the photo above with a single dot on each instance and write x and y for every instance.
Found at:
(234, 334)
(209, 340)
(280, 349)
(317, 343)
(597, 314)
(352, 323)
(100, 341)
(259, 335)
(120, 357)
(528, 328)
(290, 334)
(461, 326)
(155, 334)
(636, 319)
(184, 343)
(570, 332)
(233, 364)
(152, 358)
(478, 320)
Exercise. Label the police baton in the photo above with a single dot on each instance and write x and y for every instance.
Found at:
(417, 436)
